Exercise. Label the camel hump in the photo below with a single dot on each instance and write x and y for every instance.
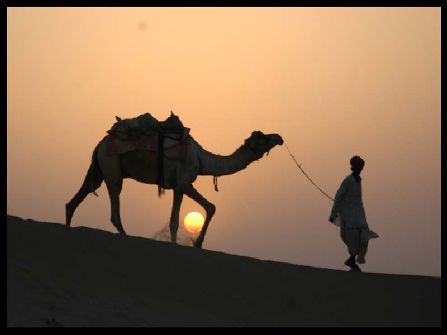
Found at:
(147, 125)
(172, 125)
(147, 122)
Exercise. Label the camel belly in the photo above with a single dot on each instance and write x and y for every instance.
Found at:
(140, 165)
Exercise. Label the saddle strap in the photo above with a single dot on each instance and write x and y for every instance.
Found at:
(160, 175)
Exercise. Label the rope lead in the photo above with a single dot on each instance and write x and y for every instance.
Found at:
(299, 166)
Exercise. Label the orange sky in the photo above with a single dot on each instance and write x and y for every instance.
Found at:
(334, 82)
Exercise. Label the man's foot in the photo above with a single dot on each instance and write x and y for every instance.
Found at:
(351, 263)
(355, 269)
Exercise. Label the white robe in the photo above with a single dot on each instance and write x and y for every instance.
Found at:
(349, 215)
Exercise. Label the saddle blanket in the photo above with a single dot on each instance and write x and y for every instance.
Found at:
(173, 149)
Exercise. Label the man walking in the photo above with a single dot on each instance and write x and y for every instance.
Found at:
(348, 213)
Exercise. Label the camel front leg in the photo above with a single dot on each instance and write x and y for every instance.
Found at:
(175, 212)
(209, 208)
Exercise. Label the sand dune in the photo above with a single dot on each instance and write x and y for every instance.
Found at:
(58, 276)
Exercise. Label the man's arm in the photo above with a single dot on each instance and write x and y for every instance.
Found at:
(339, 196)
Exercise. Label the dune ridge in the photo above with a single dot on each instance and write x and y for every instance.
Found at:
(76, 277)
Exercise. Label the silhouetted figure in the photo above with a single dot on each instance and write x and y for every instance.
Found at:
(348, 207)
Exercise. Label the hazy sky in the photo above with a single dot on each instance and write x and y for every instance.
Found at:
(334, 82)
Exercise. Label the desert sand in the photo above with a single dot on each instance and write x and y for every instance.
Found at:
(76, 277)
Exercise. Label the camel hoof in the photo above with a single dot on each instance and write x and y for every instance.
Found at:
(198, 243)
(121, 232)
(68, 215)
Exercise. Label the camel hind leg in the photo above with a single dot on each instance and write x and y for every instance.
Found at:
(71, 206)
(92, 182)
(210, 209)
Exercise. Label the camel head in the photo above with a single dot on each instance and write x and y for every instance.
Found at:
(261, 143)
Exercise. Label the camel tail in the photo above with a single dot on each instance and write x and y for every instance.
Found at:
(94, 177)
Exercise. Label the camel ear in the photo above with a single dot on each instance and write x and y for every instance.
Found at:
(118, 118)
(256, 135)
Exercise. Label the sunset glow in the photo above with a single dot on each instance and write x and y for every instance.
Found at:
(332, 81)
(194, 222)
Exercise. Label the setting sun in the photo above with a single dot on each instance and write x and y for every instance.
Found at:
(193, 222)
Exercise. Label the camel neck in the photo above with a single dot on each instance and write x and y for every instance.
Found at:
(217, 165)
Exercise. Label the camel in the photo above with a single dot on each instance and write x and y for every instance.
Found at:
(179, 176)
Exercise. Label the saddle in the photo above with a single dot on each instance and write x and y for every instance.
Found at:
(169, 139)
(147, 125)
(172, 148)
(147, 133)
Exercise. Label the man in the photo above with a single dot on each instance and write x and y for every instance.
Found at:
(348, 213)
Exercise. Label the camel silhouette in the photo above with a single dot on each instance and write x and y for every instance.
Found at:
(178, 175)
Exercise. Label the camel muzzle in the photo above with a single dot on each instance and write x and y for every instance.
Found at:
(276, 140)
(281, 141)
